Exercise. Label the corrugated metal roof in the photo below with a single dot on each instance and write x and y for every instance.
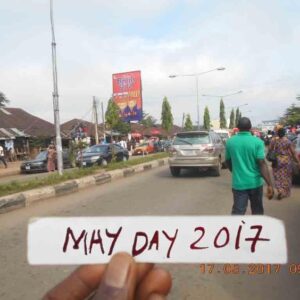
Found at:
(11, 133)
(18, 132)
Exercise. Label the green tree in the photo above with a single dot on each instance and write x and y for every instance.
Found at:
(3, 100)
(188, 125)
(206, 119)
(148, 120)
(112, 114)
(166, 115)
(122, 127)
(232, 119)
(291, 116)
(237, 116)
(222, 115)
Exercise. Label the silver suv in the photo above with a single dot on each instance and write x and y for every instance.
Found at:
(197, 149)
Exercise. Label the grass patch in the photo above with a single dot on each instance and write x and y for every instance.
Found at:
(55, 178)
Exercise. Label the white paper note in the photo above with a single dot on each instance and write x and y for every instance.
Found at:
(167, 239)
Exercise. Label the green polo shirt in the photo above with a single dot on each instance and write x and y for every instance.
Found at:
(244, 150)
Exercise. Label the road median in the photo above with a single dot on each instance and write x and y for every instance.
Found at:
(51, 187)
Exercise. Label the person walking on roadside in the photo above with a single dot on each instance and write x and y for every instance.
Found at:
(245, 158)
(2, 158)
(283, 167)
(51, 158)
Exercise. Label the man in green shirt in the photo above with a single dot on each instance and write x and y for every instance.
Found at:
(245, 157)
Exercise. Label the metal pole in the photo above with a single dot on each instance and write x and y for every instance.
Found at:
(96, 120)
(198, 109)
(103, 121)
(55, 97)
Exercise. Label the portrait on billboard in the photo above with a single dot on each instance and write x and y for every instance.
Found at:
(127, 94)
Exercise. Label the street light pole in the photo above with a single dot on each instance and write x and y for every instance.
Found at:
(55, 97)
(196, 75)
(198, 108)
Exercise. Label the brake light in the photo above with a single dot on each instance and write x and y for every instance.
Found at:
(172, 151)
(209, 149)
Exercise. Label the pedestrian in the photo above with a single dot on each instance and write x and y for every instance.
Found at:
(2, 158)
(51, 158)
(245, 158)
(123, 143)
(283, 167)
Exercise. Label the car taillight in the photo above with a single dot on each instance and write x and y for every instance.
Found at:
(209, 149)
(172, 151)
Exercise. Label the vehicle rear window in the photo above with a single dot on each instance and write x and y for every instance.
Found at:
(42, 155)
(96, 149)
(192, 139)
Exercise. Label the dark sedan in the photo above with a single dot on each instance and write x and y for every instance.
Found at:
(39, 163)
(101, 155)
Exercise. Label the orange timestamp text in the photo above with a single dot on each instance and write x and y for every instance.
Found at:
(249, 269)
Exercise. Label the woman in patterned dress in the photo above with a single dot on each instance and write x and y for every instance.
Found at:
(282, 170)
(51, 158)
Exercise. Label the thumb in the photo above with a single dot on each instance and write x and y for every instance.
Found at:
(119, 279)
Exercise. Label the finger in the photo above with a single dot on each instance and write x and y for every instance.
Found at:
(80, 284)
(157, 281)
(119, 279)
(86, 279)
(156, 297)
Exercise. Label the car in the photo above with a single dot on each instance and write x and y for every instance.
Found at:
(144, 148)
(223, 133)
(296, 171)
(101, 155)
(39, 163)
(197, 149)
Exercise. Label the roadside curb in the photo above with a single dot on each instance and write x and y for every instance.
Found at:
(27, 198)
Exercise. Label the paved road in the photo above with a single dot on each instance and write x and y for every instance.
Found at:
(153, 193)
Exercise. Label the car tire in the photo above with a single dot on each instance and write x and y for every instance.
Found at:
(175, 171)
(217, 169)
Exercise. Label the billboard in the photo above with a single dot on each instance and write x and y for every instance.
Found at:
(127, 94)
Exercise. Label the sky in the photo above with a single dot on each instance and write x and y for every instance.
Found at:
(256, 41)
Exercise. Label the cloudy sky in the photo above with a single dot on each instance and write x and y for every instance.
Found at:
(256, 41)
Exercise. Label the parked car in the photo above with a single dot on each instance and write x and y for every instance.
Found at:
(296, 171)
(101, 155)
(197, 149)
(144, 148)
(39, 163)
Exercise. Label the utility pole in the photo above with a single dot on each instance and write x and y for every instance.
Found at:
(55, 97)
(96, 120)
(103, 121)
(183, 117)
